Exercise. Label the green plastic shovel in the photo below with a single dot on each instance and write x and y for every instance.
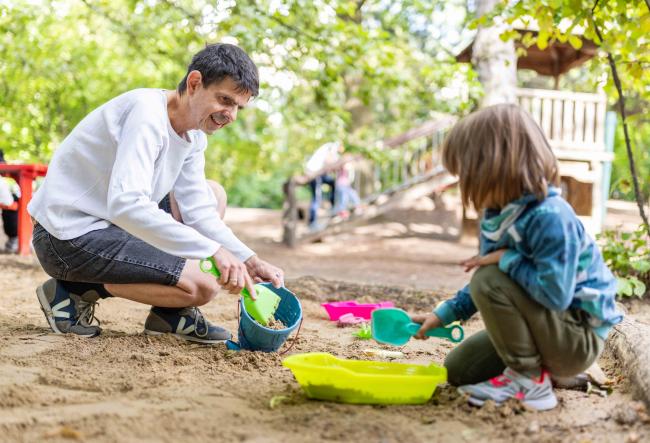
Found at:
(263, 308)
(394, 327)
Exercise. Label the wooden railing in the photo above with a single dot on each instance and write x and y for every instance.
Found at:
(570, 120)
(406, 161)
(574, 124)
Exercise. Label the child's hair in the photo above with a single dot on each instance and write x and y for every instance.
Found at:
(499, 154)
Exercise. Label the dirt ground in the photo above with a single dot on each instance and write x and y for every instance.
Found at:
(127, 387)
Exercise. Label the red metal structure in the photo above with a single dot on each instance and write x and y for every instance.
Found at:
(24, 176)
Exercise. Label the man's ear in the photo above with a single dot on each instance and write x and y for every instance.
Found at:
(194, 81)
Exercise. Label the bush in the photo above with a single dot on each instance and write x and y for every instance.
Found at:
(628, 255)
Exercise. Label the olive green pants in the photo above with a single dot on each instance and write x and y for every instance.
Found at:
(520, 334)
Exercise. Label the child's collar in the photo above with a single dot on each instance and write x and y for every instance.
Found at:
(496, 222)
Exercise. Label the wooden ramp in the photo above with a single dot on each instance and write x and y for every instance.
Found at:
(409, 168)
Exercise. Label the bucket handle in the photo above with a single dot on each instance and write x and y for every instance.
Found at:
(295, 337)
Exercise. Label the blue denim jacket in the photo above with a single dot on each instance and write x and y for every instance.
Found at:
(550, 256)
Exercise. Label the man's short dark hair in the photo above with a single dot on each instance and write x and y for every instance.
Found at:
(218, 61)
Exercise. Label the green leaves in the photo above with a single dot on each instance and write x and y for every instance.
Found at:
(628, 255)
(343, 69)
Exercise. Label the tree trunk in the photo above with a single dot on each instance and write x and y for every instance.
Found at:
(494, 60)
(630, 342)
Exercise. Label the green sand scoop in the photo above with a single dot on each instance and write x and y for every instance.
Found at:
(263, 308)
(394, 327)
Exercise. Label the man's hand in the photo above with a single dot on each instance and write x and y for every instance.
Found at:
(234, 275)
(477, 261)
(428, 321)
(261, 271)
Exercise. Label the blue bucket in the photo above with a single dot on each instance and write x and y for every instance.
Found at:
(255, 337)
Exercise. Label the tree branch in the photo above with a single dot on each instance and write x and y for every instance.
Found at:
(628, 143)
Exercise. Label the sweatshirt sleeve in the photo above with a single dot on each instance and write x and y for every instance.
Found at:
(549, 276)
(198, 206)
(461, 307)
(130, 190)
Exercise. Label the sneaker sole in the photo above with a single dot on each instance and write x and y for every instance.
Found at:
(47, 312)
(187, 337)
(542, 405)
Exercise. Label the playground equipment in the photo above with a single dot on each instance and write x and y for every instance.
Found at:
(24, 176)
(410, 169)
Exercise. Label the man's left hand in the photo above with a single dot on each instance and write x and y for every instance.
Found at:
(262, 271)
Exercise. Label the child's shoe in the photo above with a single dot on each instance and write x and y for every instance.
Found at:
(533, 391)
(66, 312)
(184, 323)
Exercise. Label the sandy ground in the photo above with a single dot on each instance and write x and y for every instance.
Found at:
(124, 386)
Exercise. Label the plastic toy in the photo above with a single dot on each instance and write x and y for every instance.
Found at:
(394, 327)
(363, 310)
(325, 377)
(265, 304)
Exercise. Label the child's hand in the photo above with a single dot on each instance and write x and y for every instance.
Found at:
(470, 263)
(477, 261)
(428, 321)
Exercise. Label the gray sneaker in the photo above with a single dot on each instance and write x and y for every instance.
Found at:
(184, 323)
(536, 392)
(68, 313)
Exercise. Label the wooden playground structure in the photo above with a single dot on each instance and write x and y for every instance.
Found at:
(577, 125)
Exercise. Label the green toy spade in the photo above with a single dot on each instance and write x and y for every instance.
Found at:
(263, 308)
(394, 327)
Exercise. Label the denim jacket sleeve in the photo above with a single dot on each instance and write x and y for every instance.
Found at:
(549, 274)
(461, 307)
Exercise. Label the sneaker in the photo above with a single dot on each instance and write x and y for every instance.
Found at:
(184, 323)
(68, 313)
(536, 392)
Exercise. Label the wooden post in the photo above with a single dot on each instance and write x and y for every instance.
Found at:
(290, 216)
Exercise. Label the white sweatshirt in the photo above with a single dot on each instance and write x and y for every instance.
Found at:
(117, 164)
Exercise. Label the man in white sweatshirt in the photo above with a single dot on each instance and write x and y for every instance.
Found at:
(125, 209)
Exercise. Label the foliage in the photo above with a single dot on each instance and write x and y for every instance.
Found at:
(358, 71)
(628, 255)
(621, 178)
(625, 29)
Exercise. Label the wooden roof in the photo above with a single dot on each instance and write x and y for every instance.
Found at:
(555, 60)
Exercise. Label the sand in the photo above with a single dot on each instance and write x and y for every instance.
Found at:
(127, 387)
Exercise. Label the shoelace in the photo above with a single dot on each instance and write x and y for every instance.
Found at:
(86, 313)
(198, 318)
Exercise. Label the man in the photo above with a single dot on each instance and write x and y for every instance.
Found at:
(125, 209)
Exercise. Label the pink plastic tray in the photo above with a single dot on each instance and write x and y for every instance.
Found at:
(337, 309)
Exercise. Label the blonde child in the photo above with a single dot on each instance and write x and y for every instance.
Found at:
(544, 293)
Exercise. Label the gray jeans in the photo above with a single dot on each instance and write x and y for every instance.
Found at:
(109, 255)
(520, 334)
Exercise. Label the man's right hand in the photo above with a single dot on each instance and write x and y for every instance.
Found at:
(234, 275)
(428, 321)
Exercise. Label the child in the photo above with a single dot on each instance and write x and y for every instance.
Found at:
(544, 293)
(346, 196)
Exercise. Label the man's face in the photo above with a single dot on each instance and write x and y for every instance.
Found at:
(217, 105)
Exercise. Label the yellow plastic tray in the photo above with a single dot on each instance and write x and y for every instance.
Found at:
(325, 377)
